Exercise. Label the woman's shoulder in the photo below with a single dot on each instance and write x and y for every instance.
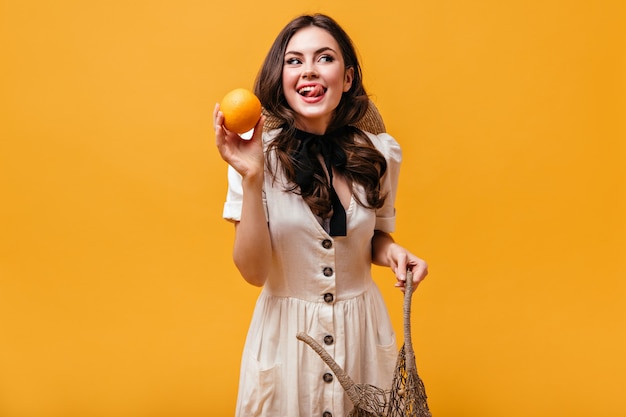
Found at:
(270, 134)
(268, 137)
(386, 144)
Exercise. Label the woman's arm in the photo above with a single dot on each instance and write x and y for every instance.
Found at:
(252, 251)
(386, 252)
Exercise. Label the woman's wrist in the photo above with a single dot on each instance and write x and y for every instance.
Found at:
(253, 180)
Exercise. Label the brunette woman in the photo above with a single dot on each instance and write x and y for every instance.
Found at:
(312, 198)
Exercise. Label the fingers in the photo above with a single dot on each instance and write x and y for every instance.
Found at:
(222, 135)
(218, 116)
(419, 268)
(402, 260)
(401, 285)
(218, 122)
(258, 129)
(216, 110)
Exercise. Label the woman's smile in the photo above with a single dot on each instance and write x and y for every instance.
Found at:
(312, 93)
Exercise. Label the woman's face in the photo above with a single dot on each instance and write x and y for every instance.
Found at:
(314, 78)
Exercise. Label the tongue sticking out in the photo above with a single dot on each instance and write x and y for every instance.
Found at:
(316, 91)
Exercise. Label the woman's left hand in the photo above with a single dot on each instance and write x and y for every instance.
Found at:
(386, 252)
(403, 260)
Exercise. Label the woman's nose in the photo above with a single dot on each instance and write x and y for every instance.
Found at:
(309, 73)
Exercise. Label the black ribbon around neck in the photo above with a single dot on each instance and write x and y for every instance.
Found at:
(310, 146)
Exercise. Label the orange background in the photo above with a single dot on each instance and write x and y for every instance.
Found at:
(118, 296)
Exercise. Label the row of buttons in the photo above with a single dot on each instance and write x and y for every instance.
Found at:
(328, 271)
(328, 298)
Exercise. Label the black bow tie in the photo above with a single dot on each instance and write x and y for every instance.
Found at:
(310, 146)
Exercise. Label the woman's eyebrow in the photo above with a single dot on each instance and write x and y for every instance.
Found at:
(319, 51)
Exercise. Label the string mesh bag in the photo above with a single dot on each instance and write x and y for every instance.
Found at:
(407, 396)
(368, 400)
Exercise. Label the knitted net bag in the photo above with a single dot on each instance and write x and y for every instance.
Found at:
(407, 396)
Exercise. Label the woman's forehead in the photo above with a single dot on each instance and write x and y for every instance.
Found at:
(311, 38)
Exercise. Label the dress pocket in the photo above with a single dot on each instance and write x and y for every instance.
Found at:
(387, 356)
(259, 392)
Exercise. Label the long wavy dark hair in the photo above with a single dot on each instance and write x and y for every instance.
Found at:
(365, 165)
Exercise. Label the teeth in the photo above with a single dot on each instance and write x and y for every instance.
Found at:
(304, 90)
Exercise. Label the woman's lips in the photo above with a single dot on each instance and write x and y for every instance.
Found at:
(311, 93)
(312, 90)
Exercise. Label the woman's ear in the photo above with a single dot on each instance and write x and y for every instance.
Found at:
(347, 79)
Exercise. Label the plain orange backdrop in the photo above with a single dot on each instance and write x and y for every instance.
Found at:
(118, 296)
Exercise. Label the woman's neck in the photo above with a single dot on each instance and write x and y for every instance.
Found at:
(317, 127)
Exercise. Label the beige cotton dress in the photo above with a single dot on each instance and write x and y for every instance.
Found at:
(320, 285)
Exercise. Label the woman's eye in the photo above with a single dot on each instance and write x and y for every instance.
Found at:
(326, 58)
(292, 61)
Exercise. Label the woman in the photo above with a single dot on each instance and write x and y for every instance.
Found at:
(313, 205)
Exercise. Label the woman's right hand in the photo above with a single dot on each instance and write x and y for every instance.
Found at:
(245, 156)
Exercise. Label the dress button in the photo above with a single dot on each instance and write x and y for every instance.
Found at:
(328, 297)
(327, 243)
(327, 414)
(328, 271)
(328, 377)
(328, 339)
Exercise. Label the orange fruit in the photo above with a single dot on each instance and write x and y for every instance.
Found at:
(242, 109)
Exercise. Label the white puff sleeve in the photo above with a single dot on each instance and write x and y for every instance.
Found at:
(390, 148)
(234, 197)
